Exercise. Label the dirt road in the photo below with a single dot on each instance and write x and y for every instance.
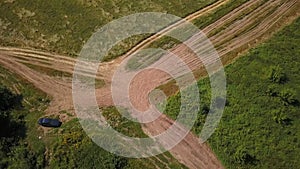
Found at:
(231, 33)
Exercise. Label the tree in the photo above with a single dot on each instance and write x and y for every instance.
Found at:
(13, 155)
(8, 101)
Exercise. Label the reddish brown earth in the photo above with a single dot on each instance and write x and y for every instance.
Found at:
(231, 35)
(141, 83)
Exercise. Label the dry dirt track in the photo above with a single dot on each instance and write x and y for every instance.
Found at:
(235, 34)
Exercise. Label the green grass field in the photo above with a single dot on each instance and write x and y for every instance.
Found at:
(65, 147)
(201, 22)
(63, 26)
(260, 126)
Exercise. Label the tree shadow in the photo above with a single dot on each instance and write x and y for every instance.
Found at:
(287, 121)
(296, 103)
(11, 126)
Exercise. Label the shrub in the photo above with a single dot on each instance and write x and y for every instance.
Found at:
(242, 156)
(272, 91)
(205, 109)
(279, 117)
(276, 74)
(287, 96)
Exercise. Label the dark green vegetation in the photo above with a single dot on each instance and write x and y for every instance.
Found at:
(260, 127)
(11, 129)
(19, 143)
(63, 26)
(65, 147)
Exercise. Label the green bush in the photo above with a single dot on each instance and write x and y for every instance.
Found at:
(279, 116)
(276, 74)
(272, 90)
(287, 96)
(242, 156)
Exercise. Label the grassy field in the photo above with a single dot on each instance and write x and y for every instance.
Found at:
(63, 26)
(70, 147)
(260, 126)
(65, 147)
(133, 129)
(201, 22)
(167, 42)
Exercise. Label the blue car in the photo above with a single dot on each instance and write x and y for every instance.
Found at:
(47, 122)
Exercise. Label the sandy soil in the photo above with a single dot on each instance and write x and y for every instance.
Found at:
(237, 34)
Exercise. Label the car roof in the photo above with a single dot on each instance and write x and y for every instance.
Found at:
(46, 120)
